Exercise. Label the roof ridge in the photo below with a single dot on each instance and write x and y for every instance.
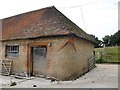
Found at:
(28, 12)
(77, 30)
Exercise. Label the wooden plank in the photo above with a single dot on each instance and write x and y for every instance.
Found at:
(6, 67)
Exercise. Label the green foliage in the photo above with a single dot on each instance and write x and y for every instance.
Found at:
(98, 42)
(99, 61)
(106, 40)
(113, 40)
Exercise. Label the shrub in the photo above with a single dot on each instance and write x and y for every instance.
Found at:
(99, 61)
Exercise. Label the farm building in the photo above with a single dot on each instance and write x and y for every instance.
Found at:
(46, 43)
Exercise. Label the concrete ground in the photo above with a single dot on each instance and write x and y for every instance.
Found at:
(103, 76)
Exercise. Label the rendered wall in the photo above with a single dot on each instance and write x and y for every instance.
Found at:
(19, 63)
(0, 46)
(64, 64)
(68, 63)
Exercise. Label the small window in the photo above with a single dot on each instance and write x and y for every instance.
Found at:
(12, 51)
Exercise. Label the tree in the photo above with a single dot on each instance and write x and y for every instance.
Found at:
(113, 40)
(98, 42)
(116, 37)
(106, 40)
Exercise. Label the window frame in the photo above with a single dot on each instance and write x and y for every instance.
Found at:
(12, 51)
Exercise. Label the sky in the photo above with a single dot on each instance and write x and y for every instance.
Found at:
(119, 16)
(97, 17)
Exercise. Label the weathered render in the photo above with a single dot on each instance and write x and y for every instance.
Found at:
(0, 46)
(67, 48)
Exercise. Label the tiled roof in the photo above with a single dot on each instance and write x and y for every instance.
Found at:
(44, 22)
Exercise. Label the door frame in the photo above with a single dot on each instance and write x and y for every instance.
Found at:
(29, 54)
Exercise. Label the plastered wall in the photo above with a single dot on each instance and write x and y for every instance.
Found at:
(65, 63)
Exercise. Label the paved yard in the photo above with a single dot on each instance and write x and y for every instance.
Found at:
(103, 76)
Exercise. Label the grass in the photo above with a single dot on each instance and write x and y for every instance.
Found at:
(107, 55)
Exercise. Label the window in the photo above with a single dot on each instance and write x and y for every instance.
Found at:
(12, 51)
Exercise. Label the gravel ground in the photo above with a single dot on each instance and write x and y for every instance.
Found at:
(103, 76)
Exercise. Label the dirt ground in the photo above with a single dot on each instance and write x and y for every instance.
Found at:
(103, 76)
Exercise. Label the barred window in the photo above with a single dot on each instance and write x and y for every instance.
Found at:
(12, 51)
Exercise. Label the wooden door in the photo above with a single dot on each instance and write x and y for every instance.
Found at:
(39, 60)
